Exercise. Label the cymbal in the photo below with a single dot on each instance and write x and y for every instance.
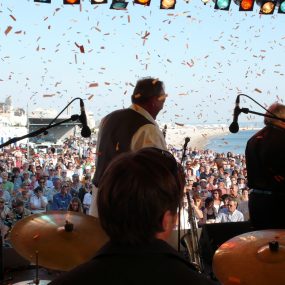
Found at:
(252, 258)
(32, 282)
(59, 246)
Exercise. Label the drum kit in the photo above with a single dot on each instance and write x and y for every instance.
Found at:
(63, 240)
(59, 240)
(256, 257)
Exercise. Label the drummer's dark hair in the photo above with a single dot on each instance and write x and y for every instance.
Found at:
(135, 191)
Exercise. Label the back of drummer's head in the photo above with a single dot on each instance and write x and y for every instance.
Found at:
(135, 191)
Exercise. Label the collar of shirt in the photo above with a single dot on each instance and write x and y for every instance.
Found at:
(143, 112)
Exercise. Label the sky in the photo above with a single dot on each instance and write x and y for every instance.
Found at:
(205, 57)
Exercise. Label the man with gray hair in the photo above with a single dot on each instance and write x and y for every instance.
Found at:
(130, 129)
(265, 156)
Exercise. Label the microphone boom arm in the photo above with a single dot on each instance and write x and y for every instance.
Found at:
(39, 131)
(246, 111)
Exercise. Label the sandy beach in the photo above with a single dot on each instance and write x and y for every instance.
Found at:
(199, 135)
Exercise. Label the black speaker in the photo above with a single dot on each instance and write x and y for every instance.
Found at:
(214, 235)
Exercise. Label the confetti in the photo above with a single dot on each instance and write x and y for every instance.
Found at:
(81, 47)
(13, 17)
(93, 85)
(257, 90)
(8, 30)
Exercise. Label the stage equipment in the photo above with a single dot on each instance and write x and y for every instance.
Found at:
(266, 7)
(191, 239)
(214, 235)
(252, 258)
(245, 5)
(142, 2)
(99, 2)
(71, 2)
(62, 239)
(167, 4)
(44, 131)
(234, 127)
(222, 4)
(281, 8)
(119, 5)
(33, 282)
(85, 131)
(43, 1)
(187, 140)
(205, 1)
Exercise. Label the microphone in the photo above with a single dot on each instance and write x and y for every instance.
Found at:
(187, 140)
(85, 131)
(234, 127)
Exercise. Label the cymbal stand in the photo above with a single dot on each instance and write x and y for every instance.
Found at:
(2, 280)
(37, 280)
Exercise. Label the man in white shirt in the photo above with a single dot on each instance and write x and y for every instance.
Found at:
(130, 129)
(230, 214)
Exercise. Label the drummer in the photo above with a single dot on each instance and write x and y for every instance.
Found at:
(137, 202)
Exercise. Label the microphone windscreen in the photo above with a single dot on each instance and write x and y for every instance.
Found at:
(234, 127)
(85, 132)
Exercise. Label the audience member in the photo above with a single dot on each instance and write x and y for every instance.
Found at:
(231, 214)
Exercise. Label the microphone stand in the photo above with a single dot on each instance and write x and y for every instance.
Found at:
(40, 131)
(246, 111)
(187, 140)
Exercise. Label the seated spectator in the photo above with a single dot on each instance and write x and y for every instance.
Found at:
(209, 212)
(217, 200)
(38, 202)
(4, 194)
(75, 205)
(16, 178)
(19, 211)
(75, 185)
(234, 192)
(5, 219)
(64, 177)
(6, 184)
(225, 199)
(137, 201)
(243, 204)
(197, 205)
(62, 199)
(231, 214)
(88, 198)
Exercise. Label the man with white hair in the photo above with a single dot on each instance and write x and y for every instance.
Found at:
(130, 129)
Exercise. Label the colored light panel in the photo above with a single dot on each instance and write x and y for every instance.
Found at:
(142, 2)
(223, 4)
(281, 7)
(167, 4)
(119, 5)
(43, 1)
(71, 2)
(267, 8)
(246, 5)
(98, 2)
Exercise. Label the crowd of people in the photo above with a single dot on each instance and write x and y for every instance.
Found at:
(45, 181)
(50, 181)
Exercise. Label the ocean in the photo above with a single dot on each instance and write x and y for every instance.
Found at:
(235, 143)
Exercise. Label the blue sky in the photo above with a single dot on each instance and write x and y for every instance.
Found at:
(204, 56)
